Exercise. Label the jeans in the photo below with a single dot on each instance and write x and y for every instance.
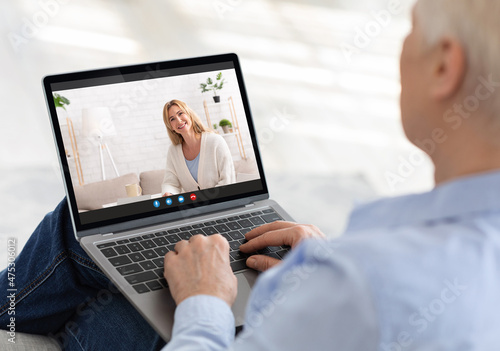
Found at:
(61, 293)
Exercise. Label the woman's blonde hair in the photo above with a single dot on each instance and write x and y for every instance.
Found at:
(175, 137)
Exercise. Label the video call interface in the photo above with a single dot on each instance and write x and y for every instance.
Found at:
(117, 145)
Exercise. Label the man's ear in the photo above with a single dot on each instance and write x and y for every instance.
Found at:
(449, 68)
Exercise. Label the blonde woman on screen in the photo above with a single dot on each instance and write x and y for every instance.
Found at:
(197, 159)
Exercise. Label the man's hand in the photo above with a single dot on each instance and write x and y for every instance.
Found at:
(275, 234)
(201, 266)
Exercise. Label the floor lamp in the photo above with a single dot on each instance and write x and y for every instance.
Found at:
(97, 124)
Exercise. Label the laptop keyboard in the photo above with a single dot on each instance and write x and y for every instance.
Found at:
(140, 259)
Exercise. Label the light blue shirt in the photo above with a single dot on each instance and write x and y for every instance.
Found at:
(418, 272)
(193, 167)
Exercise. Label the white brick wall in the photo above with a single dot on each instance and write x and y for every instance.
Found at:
(141, 141)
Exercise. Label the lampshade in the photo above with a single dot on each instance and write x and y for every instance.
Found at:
(97, 122)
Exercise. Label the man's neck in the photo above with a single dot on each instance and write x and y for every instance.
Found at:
(468, 158)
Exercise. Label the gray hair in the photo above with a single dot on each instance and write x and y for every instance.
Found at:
(476, 25)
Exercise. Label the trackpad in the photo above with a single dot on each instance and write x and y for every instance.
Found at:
(246, 281)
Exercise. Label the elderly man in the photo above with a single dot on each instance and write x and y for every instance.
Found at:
(417, 272)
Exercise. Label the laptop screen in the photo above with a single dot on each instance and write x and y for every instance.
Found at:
(152, 139)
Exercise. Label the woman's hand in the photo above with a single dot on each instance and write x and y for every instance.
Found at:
(167, 194)
(275, 234)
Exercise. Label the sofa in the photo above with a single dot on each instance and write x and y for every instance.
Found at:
(93, 196)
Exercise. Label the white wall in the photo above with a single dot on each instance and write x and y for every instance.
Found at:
(141, 141)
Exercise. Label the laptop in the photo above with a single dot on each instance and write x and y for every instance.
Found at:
(113, 147)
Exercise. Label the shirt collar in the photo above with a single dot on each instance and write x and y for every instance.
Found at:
(447, 202)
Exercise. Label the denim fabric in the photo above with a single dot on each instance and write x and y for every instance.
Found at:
(63, 294)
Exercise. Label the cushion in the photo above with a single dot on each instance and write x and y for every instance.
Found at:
(93, 195)
(151, 181)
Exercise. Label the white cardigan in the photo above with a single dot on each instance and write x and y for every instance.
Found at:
(215, 166)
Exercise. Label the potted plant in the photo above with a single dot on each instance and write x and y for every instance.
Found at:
(212, 85)
(60, 101)
(225, 125)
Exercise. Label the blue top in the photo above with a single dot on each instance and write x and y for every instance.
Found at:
(418, 272)
(193, 167)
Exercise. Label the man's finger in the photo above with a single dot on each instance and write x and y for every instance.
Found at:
(268, 227)
(273, 238)
(261, 262)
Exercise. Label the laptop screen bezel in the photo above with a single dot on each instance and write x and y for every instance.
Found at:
(154, 216)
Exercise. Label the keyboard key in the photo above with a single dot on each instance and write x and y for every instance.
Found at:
(141, 288)
(159, 262)
(131, 268)
(222, 220)
(133, 240)
(210, 223)
(282, 253)
(140, 277)
(124, 241)
(103, 246)
(245, 230)
(257, 221)
(242, 241)
(174, 238)
(149, 254)
(272, 217)
(163, 233)
(122, 249)
(238, 265)
(233, 218)
(238, 255)
(186, 228)
(136, 257)
(268, 210)
(236, 235)
(263, 251)
(134, 247)
(109, 252)
(274, 248)
(147, 265)
(233, 226)
(197, 226)
(197, 231)
(159, 272)
(185, 235)
(209, 230)
(148, 244)
(245, 223)
(154, 285)
(246, 215)
(119, 261)
(234, 245)
(161, 251)
(163, 282)
(148, 236)
(258, 213)
(161, 241)
(173, 231)
(273, 255)
(227, 236)
(171, 247)
(221, 228)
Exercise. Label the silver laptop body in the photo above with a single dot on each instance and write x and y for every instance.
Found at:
(107, 231)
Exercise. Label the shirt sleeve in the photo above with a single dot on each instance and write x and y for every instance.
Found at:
(202, 322)
(171, 181)
(315, 300)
